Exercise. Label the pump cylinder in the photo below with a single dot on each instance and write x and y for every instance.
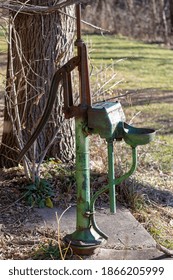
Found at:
(82, 175)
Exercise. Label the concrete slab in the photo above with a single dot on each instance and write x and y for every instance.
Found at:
(124, 231)
(128, 240)
(112, 254)
(127, 237)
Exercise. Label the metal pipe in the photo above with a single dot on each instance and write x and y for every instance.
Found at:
(111, 176)
(82, 176)
(85, 238)
(92, 211)
(78, 19)
(84, 80)
(132, 169)
(59, 76)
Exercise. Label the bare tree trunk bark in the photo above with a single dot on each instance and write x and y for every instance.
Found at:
(164, 20)
(130, 19)
(171, 14)
(38, 46)
(154, 19)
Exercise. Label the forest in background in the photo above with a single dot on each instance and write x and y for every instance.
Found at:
(149, 20)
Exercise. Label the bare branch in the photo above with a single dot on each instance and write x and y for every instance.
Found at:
(27, 8)
(165, 250)
(87, 23)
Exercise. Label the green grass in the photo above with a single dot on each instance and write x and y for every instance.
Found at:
(157, 115)
(3, 41)
(3, 51)
(140, 65)
(160, 117)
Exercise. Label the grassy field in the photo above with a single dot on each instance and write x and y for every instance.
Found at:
(140, 65)
(145, 72)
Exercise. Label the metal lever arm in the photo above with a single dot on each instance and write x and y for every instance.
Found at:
(61, 75)
(84, 80)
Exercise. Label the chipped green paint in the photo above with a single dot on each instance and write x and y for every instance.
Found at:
(82, 174)
(111, 176)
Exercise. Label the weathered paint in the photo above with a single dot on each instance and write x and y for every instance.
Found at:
(82, 174)
(111, 176)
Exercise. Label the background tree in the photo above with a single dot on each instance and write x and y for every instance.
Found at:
(148, 20)
(171, 14)
(39, 43)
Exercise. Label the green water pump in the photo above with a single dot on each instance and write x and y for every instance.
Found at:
(106, 119)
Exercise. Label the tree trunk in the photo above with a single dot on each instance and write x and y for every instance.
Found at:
(171, 14)
(38, 46)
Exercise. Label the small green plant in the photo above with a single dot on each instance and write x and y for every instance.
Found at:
(52, 250)
(39, 193)
(47, 252)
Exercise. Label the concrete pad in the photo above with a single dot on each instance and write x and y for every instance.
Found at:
(124, 231)
(128, 240)
(112, 254)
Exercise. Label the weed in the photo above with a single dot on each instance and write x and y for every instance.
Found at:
(160, 231)
(47, 252)
(39, 194)
(129, 195)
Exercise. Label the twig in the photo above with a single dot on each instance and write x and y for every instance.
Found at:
(33, 9)
(9, 206)
(138, 113)
(58, 222)
(15, 120)
(119, 96)
(86, 23)
(165, 250)
(24, 243)
(46, 149)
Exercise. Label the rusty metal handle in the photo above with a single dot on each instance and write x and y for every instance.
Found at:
(58, 76)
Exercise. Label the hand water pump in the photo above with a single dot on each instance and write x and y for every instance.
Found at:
(106, 119)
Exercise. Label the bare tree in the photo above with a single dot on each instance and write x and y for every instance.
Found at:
(164, 20)
(40, 41)
(171, 14)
